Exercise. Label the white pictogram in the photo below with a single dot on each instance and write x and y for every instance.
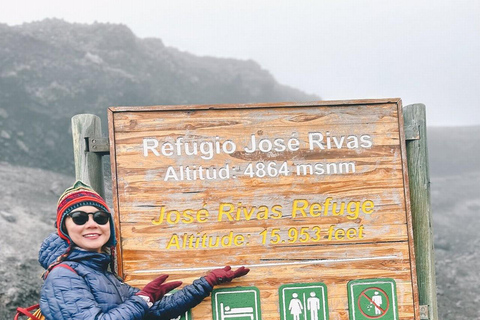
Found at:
(295, 307)
(313, 304)
(227, 312)
(377, 300)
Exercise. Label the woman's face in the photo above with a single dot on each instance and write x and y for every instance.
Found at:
(90, 236)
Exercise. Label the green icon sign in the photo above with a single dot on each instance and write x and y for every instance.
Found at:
(240, 303)
(303, 301)
(372, 299)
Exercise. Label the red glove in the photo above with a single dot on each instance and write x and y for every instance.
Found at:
(226, 274)
(156, 289)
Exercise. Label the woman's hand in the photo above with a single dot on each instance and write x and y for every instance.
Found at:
(156, 289)
(225, 274)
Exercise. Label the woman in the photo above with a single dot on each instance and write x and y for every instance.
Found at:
(78, 284)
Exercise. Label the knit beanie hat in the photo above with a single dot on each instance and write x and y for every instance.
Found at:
(76, 196)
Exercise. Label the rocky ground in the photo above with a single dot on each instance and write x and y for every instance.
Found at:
(455, 200)
(27, 214)
(456, 208)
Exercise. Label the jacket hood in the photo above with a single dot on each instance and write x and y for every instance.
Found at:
(52, 248)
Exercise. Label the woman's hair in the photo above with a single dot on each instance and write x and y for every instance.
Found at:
(59, 260)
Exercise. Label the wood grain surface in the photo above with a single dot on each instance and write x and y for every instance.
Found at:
(322, 198)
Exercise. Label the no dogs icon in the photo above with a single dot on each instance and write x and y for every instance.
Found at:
(372, 299)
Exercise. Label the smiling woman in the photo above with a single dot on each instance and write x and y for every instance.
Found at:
(85, 289)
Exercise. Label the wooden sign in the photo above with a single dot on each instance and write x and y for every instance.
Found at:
(312, 197)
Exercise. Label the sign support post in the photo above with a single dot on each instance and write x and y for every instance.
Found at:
(88, 164)
(419, 181)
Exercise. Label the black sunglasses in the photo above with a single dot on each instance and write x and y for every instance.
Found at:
(81, 217)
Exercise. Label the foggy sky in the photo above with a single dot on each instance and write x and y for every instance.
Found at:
(421, 51)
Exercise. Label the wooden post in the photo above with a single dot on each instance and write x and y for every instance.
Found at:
(88, 165)
(419, 181)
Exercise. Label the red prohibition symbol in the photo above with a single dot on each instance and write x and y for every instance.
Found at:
(380, 307)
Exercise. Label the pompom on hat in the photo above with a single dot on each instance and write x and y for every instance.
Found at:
(78, 195)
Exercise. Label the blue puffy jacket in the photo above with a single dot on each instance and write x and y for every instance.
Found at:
(92, 292)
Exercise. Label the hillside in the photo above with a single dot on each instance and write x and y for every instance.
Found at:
(51, 70)
(455, 201)
(453, 151)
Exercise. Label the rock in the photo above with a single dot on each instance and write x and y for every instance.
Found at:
(8, 216)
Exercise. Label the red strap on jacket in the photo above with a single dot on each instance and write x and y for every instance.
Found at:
(66, 266)
(26, 311)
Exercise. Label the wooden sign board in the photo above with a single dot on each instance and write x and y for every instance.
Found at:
(311, 195)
